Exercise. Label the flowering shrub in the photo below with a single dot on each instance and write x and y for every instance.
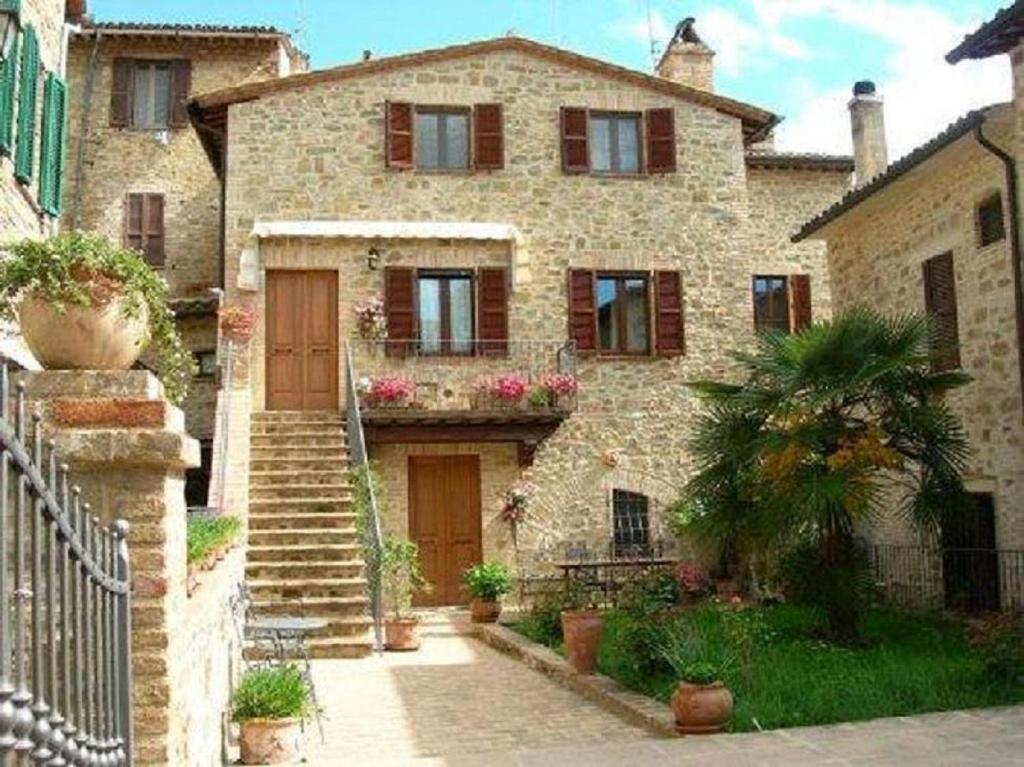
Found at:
(386, 390)
(559, 384)
(237, 322)
(693, 580)
(510, 387)
(371, 322)
(516, 500)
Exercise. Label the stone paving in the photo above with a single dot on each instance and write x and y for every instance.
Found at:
(458, 702)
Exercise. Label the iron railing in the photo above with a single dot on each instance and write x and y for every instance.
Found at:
(451, 381)
(960, 579)
(65, 610)
(369, 523)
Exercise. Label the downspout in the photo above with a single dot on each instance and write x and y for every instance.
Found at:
(83, 135)
(1012, 195)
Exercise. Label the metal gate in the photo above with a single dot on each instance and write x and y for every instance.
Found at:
(65, 612)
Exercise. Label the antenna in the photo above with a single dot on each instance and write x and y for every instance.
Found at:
(300, 22)
(650, 37)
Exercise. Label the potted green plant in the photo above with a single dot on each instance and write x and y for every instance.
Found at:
(487, 582)
(702, 704)
(401, 578)
(581, 627)
(107, 302)
(269, 705)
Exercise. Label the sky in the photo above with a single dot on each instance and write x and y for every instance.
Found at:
(798, 58)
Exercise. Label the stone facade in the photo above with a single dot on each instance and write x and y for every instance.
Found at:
(876, 251)
(317, 152)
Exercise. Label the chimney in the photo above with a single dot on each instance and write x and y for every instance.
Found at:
(867, 122)
(687, 60)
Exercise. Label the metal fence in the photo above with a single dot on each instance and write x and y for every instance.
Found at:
(369, 522)
(65, 623)
(964, 580)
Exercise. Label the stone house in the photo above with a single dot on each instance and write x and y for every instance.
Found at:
(33, 52)
(521, 210)
(938, 232)
(137, 172)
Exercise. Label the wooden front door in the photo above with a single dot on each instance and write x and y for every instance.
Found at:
(444, 521)
(302, 340)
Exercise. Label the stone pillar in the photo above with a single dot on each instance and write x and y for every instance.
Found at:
(128, 451)
(867, 124)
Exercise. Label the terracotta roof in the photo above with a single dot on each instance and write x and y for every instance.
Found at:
(901, 167)
(998, 35)
(800, 161)
(160, 28)
(756, 121)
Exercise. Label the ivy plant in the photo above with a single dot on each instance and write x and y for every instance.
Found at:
(88, 270)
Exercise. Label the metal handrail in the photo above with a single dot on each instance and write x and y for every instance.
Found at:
(65, 642)
(373, 539)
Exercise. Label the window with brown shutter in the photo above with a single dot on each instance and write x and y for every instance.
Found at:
(492, 299)
(940, 303)
(150, 94)
(661, 141)
(144, 226)
(488, 138)
(668, 305)
(575, 146)
(121, 93)
(181, 86)
(771, 303)
(398, 137)
(800, 301)
(991, 228)
(583, 310)
(400, 309)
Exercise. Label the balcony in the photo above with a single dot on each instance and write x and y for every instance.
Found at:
(515, 391)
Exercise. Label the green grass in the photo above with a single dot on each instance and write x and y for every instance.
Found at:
(206, 534)
(908, 664)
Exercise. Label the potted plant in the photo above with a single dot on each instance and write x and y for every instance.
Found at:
(508, 390)
(581, 628)
(487, 582)
(83, 303)
(237, 323)
(387, 391)
(401, 578)
(702, 704)
(269, 705)
(554, 390)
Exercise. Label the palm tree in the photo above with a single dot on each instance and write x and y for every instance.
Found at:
(831, 428)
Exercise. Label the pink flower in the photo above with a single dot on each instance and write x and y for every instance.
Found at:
(390, 389)
(693, 579)
(510, 387)
(559, 384)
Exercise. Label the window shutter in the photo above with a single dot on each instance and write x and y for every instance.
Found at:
(488, 138)
(121, 94)
(800, 301)
(492, 322)
(398, 138)
(25, 150)
(668, 307)
(400, 309)
(940, 303)
(661, 141)
(153, 223)
(53, 155)
(132, 218)
(582, 310)
(575, 149)
(8, 77)
(181, 86)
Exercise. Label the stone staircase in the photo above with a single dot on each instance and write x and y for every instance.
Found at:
(304, 557)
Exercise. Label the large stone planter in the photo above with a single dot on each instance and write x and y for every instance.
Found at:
(83, 337)
(701, 709)
(582, 632)
(269, 741)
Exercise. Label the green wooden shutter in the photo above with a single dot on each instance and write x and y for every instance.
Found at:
(52, 157)
(8, 77)
(24, 152)
(11, 6)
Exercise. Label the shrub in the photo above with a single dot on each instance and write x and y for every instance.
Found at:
(999, 640)
(401, 574)
(206, 534)
(88, 270)
(650, 594)
(271, 693)
(543, 623)
(699, 672)
(694, 580)
(488, 581)
(640, 642)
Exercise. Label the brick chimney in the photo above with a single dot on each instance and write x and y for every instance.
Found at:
(867, 122)
(687, 59)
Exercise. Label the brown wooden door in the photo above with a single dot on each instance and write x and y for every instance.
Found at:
(302, 340)
(444, 521)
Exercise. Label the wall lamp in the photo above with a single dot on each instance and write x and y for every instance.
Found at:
(373, 259)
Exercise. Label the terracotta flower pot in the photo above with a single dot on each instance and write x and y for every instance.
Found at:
(400, 634)
(582, 631)
(83, 337)
(484, 610)
(701, 708)
(269, 741)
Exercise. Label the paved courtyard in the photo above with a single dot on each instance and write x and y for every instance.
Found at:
(458, 702)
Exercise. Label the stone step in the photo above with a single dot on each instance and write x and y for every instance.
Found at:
(329, 647)
(300, 505)
(301, 536)
(298, 588)
(293, 452)
(338, 523)
(299, 465)
(326, 441)
(279, 416)
(287, 428)
(312, 552)
(332, 476)
(283, 571)
(315, 607)
(295, 491)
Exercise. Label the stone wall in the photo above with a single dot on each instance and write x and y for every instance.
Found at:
(316, 152)
(875, 257)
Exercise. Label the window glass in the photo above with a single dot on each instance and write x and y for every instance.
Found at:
(615, 143)
(607, 319)
(456, 143)
(151, 95)
(442, 140)
(771, 304)
(446, 314)
(427, 136)
(623, 317)
(631, 524)
(600, 144)
(430, 315)
(628, 145)
(990, 221)
(635, 298)
(461, 313)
